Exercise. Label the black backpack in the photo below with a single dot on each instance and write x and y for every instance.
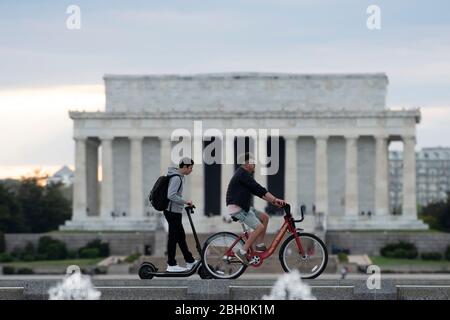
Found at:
(158, 194)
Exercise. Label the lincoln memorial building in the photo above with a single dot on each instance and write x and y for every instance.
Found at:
(334, 134)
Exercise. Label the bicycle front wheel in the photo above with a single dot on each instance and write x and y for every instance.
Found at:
(216, 260)
(314, 260)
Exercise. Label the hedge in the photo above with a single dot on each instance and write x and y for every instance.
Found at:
(401, 250)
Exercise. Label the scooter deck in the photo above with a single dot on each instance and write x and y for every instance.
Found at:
(177, 274)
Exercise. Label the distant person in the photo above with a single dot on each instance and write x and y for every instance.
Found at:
(173, 215)
(240, 190)
(344, 271)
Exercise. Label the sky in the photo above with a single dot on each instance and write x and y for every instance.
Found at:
(47, 69)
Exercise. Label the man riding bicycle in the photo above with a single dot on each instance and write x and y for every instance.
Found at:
(240, 190)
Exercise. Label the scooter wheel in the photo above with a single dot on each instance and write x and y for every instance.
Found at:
(203, 273)
(146, 269)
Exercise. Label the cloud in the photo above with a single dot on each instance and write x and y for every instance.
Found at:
(195, 37)
(434, 128)
(36, 128)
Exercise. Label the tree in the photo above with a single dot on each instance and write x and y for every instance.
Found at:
(44, 208)
(437, 215)
(32, 207)
(30, 195)
(11, 217)
(55, 209)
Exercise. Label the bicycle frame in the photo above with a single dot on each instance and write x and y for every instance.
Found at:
(259, 257)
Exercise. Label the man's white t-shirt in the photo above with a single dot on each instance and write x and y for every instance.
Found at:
(232, 209)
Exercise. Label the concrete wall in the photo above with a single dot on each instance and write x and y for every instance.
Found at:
(120, 243)
(372, 242)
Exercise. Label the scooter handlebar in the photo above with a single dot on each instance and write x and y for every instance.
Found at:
(189, 209)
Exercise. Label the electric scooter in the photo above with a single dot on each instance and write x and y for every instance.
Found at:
(148, 270)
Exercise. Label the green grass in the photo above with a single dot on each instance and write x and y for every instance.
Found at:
(53, 263)
(383, 261)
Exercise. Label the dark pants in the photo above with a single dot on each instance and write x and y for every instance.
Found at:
(176, 235)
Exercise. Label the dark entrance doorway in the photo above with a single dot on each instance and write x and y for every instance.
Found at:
(212, 183)
(275, 182)
(249, 147)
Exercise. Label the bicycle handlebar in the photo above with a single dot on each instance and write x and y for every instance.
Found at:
(287, 210)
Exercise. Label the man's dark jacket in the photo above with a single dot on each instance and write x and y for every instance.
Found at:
(241, 188)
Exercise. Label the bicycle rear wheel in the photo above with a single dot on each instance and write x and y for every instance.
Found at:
(217, 262)
(314, 260)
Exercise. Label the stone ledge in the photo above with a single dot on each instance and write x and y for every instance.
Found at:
(425, 292)
(375, 223)
(143, 293)
(11, 293)
(245, 289)
(95, 224)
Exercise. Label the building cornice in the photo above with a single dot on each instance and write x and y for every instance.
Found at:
(245, 75)
(220, 114)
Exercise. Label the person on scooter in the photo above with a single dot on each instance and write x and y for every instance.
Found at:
(240, 189)
(173, 215)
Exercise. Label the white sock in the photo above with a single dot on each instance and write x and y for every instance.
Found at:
(261, 244)
(242, 251)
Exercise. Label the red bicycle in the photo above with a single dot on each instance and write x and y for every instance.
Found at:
(300, 251)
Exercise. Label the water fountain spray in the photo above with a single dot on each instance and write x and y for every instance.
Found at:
(290, 287)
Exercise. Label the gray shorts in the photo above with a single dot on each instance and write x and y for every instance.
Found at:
(252, 218)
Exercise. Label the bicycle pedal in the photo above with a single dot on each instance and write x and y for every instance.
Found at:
(255, 260)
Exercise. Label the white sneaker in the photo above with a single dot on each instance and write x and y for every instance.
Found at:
(190, 265)
(176, 268)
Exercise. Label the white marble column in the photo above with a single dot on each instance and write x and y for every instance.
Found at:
(107, 187)
(321, 174)
(290, 175)
(92, 176)
(165, 151)
(260, 153)
(136, 178)
(80, 183)
(381, 176)
(227, 171)
(409, 209)
(351, 176)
